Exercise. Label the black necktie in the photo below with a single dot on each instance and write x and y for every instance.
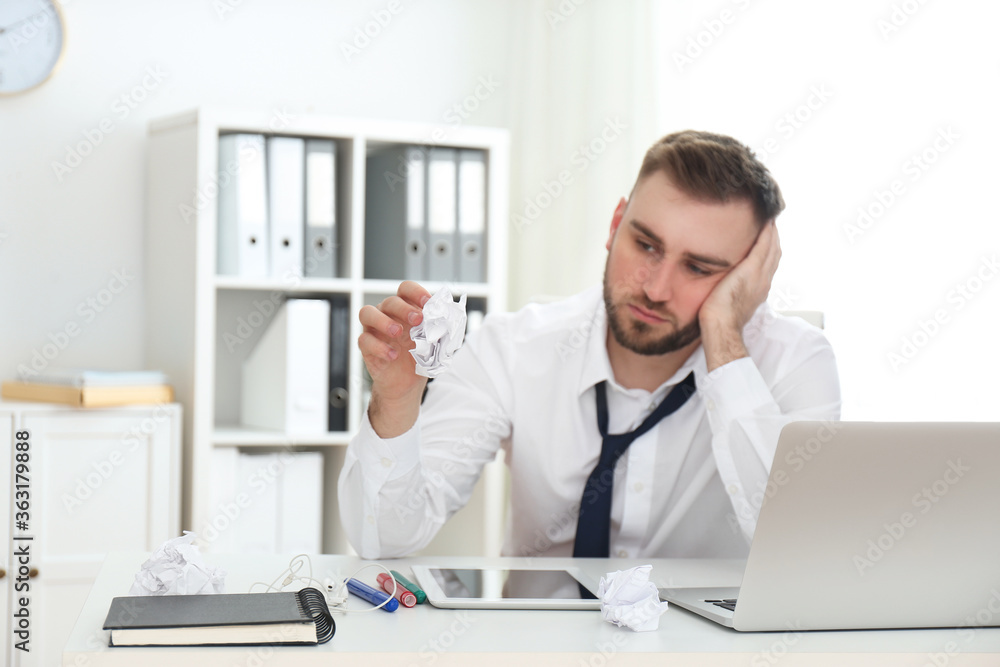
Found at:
(593, 528)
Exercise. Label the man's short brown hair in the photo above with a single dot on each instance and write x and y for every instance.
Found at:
(715, 168)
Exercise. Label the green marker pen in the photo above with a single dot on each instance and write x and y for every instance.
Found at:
(410, 586)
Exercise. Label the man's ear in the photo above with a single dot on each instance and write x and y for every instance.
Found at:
(616, 220)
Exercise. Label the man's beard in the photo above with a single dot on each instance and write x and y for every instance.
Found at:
(631, 335)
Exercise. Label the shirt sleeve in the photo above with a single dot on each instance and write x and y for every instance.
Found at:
(395, 494)
(746, 412)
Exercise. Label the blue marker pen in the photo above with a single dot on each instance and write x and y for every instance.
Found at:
(373, 595)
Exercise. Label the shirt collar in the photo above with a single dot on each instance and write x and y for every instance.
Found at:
(597, 367)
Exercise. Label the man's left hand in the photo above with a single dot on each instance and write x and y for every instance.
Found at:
(735, 299)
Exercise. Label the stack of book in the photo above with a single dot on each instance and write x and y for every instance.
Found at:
(91, 389)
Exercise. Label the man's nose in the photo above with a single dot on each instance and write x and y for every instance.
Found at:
(659, 285)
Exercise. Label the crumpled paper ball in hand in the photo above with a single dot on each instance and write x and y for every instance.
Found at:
(629, 598)
(178, 568)
(439, 334)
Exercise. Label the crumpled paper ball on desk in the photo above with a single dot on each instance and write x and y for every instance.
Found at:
(178, 568)
(630, 599)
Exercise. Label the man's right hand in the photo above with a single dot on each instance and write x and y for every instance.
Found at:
(385, 344)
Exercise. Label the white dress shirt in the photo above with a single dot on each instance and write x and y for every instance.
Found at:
(690, 487)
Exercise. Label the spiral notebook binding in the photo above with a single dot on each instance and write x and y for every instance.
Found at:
(313, 604)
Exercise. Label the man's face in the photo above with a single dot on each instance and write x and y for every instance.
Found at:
(666, 252)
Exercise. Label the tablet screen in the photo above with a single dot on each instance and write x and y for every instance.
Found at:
(506, 584)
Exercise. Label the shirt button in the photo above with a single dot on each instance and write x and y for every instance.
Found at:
(622, 553)
(733, 489)
(710, 404)
(386, 462)
(371, 519)
(637, 486)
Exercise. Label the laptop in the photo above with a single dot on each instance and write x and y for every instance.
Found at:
(870, 525)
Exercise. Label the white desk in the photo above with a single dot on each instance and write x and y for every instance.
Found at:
(425, 635)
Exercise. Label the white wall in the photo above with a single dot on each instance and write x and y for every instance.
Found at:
(62, 241)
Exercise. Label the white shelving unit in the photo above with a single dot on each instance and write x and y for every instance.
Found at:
(189, 308)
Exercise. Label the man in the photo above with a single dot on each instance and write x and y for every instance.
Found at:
(681, 358)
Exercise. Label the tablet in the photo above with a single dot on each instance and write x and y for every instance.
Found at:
(506, 588)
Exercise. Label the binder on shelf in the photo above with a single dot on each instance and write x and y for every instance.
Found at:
(220, 533)
(471, 216)
(284, 513)
(415, 251)
(288, 617)
(242, 226)
(442, 214)
(286, 375)
(321, 247)
(366, 388)
(474, 320)
(255, 530)
(300, 503)
(395, 209)
(340, 333)
(286, 205)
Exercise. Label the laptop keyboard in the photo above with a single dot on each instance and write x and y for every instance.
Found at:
(729, 603)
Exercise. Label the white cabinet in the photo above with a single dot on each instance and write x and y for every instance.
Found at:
(101, 480)
(200, 325)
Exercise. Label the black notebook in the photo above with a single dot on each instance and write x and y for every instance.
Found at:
(295, 617)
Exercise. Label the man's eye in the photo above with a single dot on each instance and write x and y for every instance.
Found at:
(645, 247)
(697, 270)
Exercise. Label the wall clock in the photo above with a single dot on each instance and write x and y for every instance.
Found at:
(32, 43)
